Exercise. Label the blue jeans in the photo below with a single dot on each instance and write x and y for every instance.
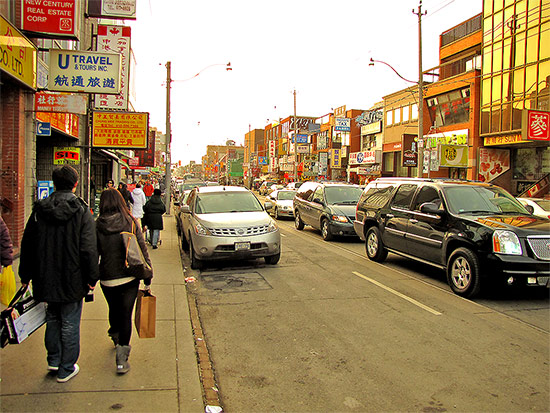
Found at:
(155, 234)
(62, 336)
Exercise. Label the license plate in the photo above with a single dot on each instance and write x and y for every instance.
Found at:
(242, 246)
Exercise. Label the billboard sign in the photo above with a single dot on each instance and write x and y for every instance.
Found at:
(84, 72)
(342, 124)
(115, 39)
(57, 102)
(125, 130)
(57, 19)
(17, 54)
(113, 9)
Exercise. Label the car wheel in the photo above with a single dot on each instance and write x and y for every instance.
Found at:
(298, 223)
(196, 264)
(373, 245)
(463, 273)
(272, 259)
(325, 230)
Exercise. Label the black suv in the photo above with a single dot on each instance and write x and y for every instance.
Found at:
(329, 207)
(477, 232)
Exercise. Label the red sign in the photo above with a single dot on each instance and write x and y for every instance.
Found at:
(538, 125)
(52, 17)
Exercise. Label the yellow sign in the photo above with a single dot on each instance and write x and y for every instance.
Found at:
(68, 155)
(453, 156)
(126, 130)
(17, 54)
(504, 140)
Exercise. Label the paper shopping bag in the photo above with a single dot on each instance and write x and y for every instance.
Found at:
(146, 314)
(7, 285)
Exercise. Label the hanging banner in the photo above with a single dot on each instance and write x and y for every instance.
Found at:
(84, 72)
(115, 39)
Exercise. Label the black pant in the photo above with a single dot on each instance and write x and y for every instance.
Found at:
(121, 300)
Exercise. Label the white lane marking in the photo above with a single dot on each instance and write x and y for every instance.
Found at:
(397, 293)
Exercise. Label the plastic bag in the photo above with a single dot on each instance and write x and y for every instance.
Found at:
(7, 285)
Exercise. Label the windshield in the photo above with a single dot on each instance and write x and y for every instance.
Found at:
(342, 194)
(543, 203)
(480, 199)
(286, 195)
(218, 202)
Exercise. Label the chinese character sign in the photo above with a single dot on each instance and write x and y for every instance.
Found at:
(115, 39)
(120, 129)
(17, 54)
(538, 125)
(84, 72)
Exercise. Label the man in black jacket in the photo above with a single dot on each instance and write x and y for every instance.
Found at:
(59, 255)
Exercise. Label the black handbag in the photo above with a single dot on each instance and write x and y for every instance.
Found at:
(135, 264)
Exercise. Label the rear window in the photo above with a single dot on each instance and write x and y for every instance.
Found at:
(219, 202)
(377, 197)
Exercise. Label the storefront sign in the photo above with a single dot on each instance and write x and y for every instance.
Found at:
(371, 128)
(272, 149)
(53, 102)
(121, 9)
(17, 54)
(536, 125)
(60, 19)
(340, 112)
(335, 158)
(342, 124)
(115, 39)
(410, 152)
(458, 137)
(368, 117)
(120, 129)
(453, 156)
(504, 140)
(302, 149)
(492, 163)
(69, 155)
(392, 147)
(84, 72)
(364, 158)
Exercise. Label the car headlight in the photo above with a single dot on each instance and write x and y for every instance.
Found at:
(340, 218)
(506, 242)
(272, 226)
(201, 230)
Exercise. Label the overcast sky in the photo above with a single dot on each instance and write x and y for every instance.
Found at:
(321, 48)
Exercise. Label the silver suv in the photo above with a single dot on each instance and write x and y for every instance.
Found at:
(227, 223)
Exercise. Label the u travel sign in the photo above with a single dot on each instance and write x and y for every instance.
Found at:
(84, 72)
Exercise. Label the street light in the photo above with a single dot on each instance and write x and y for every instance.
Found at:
(420, 137)
(169, 80)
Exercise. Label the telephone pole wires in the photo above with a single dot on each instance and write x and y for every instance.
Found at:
(420, 150)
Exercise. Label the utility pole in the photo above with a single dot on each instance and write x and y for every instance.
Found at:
(420, 137)
(168, 175)
(295, 141)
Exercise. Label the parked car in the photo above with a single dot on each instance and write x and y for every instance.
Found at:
(179, 215)
(478, 233)
(327, 206)
(541, 207)
(228, 222)
(280, 203)
(274, 187)
(294, 185)
(264, 187)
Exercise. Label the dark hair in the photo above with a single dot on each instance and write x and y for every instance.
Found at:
(112, 202)
(110, 181)
(64, 178)
(157, 192)
(138, 185)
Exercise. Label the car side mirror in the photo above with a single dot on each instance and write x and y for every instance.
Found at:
(268, 204)
(318, 201)
(185, 209)
(431, 208)
(529, 209)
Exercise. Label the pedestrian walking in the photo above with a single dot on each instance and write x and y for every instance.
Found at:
(127, 195)
(153, 210)
(139, 202)
(148, 189)
(6, 245)
(110, 184)
(59, 255)
(120, 290)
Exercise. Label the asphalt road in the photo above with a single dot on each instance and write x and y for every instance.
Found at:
(327, 330)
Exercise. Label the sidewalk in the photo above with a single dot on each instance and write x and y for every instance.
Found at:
(164, 374)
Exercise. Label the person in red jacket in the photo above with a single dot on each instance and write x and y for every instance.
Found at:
(148, 189)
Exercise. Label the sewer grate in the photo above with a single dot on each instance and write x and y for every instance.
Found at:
(235, 282)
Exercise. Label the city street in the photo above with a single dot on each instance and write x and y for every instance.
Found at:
(328, 330)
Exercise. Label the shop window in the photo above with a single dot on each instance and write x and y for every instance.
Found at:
(406, 113)
(388, 161)
(414, 112)
(389, 118)
(450, 108)
(397, 115)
